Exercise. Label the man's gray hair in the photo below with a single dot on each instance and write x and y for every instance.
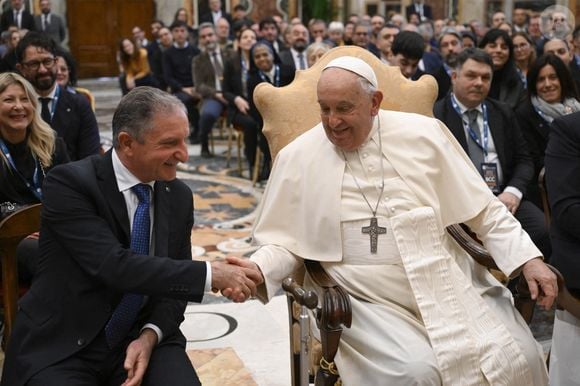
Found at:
(134, 114)
(206, 24)
(366, 86)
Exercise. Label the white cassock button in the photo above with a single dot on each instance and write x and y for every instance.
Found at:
(365, 155)
(392, 209)
(386, 198)
(371, 168)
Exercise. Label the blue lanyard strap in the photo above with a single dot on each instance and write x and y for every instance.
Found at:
(54, 102)
(447, 69)
(468, 127)
(276, 76)
(34, 187)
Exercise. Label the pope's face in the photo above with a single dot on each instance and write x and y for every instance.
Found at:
(347, 110)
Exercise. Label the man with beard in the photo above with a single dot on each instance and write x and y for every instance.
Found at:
(208, 79)
(295, 57)
(69, 114)
(450, 45)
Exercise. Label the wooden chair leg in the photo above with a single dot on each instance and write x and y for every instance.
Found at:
(10, 288)
(257, 166)
(240, 138)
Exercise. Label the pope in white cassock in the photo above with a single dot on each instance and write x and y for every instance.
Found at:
(424, 313)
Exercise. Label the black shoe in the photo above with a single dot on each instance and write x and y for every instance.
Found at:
(205, 153)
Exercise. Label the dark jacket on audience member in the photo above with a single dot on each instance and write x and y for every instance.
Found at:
(75, 122)
(511, 148)
(177, 66)
(562, 171)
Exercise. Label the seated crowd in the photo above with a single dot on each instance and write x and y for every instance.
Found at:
(501, 88)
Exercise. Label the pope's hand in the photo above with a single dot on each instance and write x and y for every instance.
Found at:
(236, 281)
(541, 281)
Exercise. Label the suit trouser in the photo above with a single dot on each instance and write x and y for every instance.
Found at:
(211, 110)
(190, 104)
(97, 365)
(532, 220)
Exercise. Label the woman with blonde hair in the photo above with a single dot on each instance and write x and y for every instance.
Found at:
(28, 149)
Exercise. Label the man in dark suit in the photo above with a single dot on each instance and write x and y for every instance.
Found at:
(489, 133)
(450, 44)
(422, 10)
(562, 171)
(115, 272)
(70, 115)
(17, 15)
(295, 57)
(269, 31)
(208, 75)
(215, 13)
(49, 23)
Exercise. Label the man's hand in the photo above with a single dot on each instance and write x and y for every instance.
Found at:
(242, 105)
(510, 200)
(537, 273)
(236, 281)
(137, 357)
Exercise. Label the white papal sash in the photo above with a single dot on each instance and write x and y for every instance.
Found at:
(471, 345)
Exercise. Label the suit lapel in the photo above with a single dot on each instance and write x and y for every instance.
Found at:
(496, 130)
(108, 185)
(162, 194)
(455, 124)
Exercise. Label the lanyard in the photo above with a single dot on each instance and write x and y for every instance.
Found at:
(522, 77)
(54, 102)
(35, 186)
(468, 127)
(276, 76)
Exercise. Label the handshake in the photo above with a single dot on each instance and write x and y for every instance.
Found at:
(236, 278)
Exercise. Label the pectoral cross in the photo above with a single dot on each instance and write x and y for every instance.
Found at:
(374, 230)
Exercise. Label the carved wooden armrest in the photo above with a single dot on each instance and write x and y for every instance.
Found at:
(469, 242)
(334, 313)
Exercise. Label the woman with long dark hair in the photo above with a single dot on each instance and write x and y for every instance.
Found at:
(506, 85)
(134, 66)
(552, 94)
(235, 90)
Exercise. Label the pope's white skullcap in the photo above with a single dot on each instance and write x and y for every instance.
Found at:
(356, 65)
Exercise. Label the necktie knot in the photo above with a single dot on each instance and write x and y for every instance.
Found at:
(142, 192)
(472, 115)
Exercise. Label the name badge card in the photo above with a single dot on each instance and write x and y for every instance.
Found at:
(489, 172)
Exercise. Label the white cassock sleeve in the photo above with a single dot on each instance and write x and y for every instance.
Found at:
(503, 237)
(276, 264)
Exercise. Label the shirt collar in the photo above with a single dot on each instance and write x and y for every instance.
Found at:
(125, 179)
(462, 106)
(52, 93)
(180, 48)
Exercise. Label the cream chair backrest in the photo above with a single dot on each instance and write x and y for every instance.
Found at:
(289, 111)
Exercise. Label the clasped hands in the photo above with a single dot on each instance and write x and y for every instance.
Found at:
(236, 278)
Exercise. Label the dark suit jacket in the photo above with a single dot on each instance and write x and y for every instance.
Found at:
(56, 29)
(287, 59)
(535, 130)
(286, 77)
(511, 148)
(75, 122)
(562, 171)
(86, 266)
(575, 71)
(443, 81)
(7, 19)
(208, 18)
(426, 11)
(204, 74)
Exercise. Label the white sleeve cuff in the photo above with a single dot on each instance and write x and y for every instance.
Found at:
(156, 329)
(207, 277)
(515, 191)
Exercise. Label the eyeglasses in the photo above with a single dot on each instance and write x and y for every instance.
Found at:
(522, 46)
(34, 65)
